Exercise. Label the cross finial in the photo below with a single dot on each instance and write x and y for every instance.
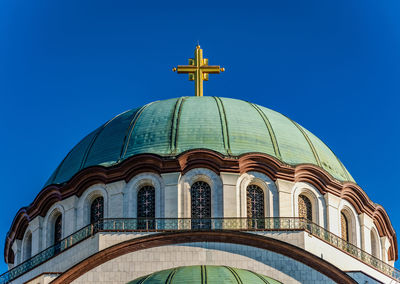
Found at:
(198, 70)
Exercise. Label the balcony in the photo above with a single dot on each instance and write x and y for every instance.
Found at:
(205, 224)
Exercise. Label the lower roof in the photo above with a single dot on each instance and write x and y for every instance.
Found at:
(201, 274)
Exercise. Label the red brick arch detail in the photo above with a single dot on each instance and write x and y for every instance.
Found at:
(201, 158)
(163, 239)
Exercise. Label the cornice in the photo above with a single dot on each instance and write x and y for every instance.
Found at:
(200, 158)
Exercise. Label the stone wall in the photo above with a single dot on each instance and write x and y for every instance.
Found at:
(133, 265)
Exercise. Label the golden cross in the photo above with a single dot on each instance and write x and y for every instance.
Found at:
(198, 70)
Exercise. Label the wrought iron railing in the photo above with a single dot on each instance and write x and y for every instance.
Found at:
(185, 224)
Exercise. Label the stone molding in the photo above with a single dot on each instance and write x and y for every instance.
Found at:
(185, 184)
(241, 238)
(201, 158)
(135, 184)
(271, 199)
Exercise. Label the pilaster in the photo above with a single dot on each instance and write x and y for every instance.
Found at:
(230, 194)
(69, 226)
(171, 194)
(116, 199)
(36, 230)
(385, 249)
(366, 223)
(16, 247)
(285, 197)
(332, 212)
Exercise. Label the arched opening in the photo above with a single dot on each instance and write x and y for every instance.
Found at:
(255, 206)
(348, 230)
(305, 207)
(375, 246)
(57, 228)
(344, 225)
(146, 207)
(97, 213)
(27, 253)
(200, 205)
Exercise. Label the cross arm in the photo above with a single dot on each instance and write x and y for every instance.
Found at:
(212, 69)
(185, 69)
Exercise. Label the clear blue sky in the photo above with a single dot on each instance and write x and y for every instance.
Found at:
(68, 66)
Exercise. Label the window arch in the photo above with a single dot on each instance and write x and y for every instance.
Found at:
(97, 213)
(200, 205)
(146, 207)
(57, 233)
(27, 253)
(348, 230)
(305, 207)
(255, 206)
(344, 224)
(375, 245)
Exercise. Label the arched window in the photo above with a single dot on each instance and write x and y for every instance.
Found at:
(255, 206)
(348, 225)
(374, 244)
(146, 207)
(305, 207)
(97, 213)
(344, 224)
(201, 205)
(27, 247)
(57, 233)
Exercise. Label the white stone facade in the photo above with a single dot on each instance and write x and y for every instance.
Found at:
(172, 200)
(133, 265)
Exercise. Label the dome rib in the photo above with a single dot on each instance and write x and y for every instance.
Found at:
(88, 150)
(131, 128)
(143, 280)
(309, 143)
(262, 278)
(170, 276)
(347, 174)
(205, 274)
(53, 177)
(171, 127)
(270, 131)
(224, 125)
(175, 125)
(235, 274)
(72, 163)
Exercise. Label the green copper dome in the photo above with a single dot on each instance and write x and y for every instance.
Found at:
(209, 274)
(228, 126)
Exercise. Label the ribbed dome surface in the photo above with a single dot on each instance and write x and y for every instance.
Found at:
(201, 274)
(228, 126)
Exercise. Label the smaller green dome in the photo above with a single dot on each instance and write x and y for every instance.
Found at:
(209, 274)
